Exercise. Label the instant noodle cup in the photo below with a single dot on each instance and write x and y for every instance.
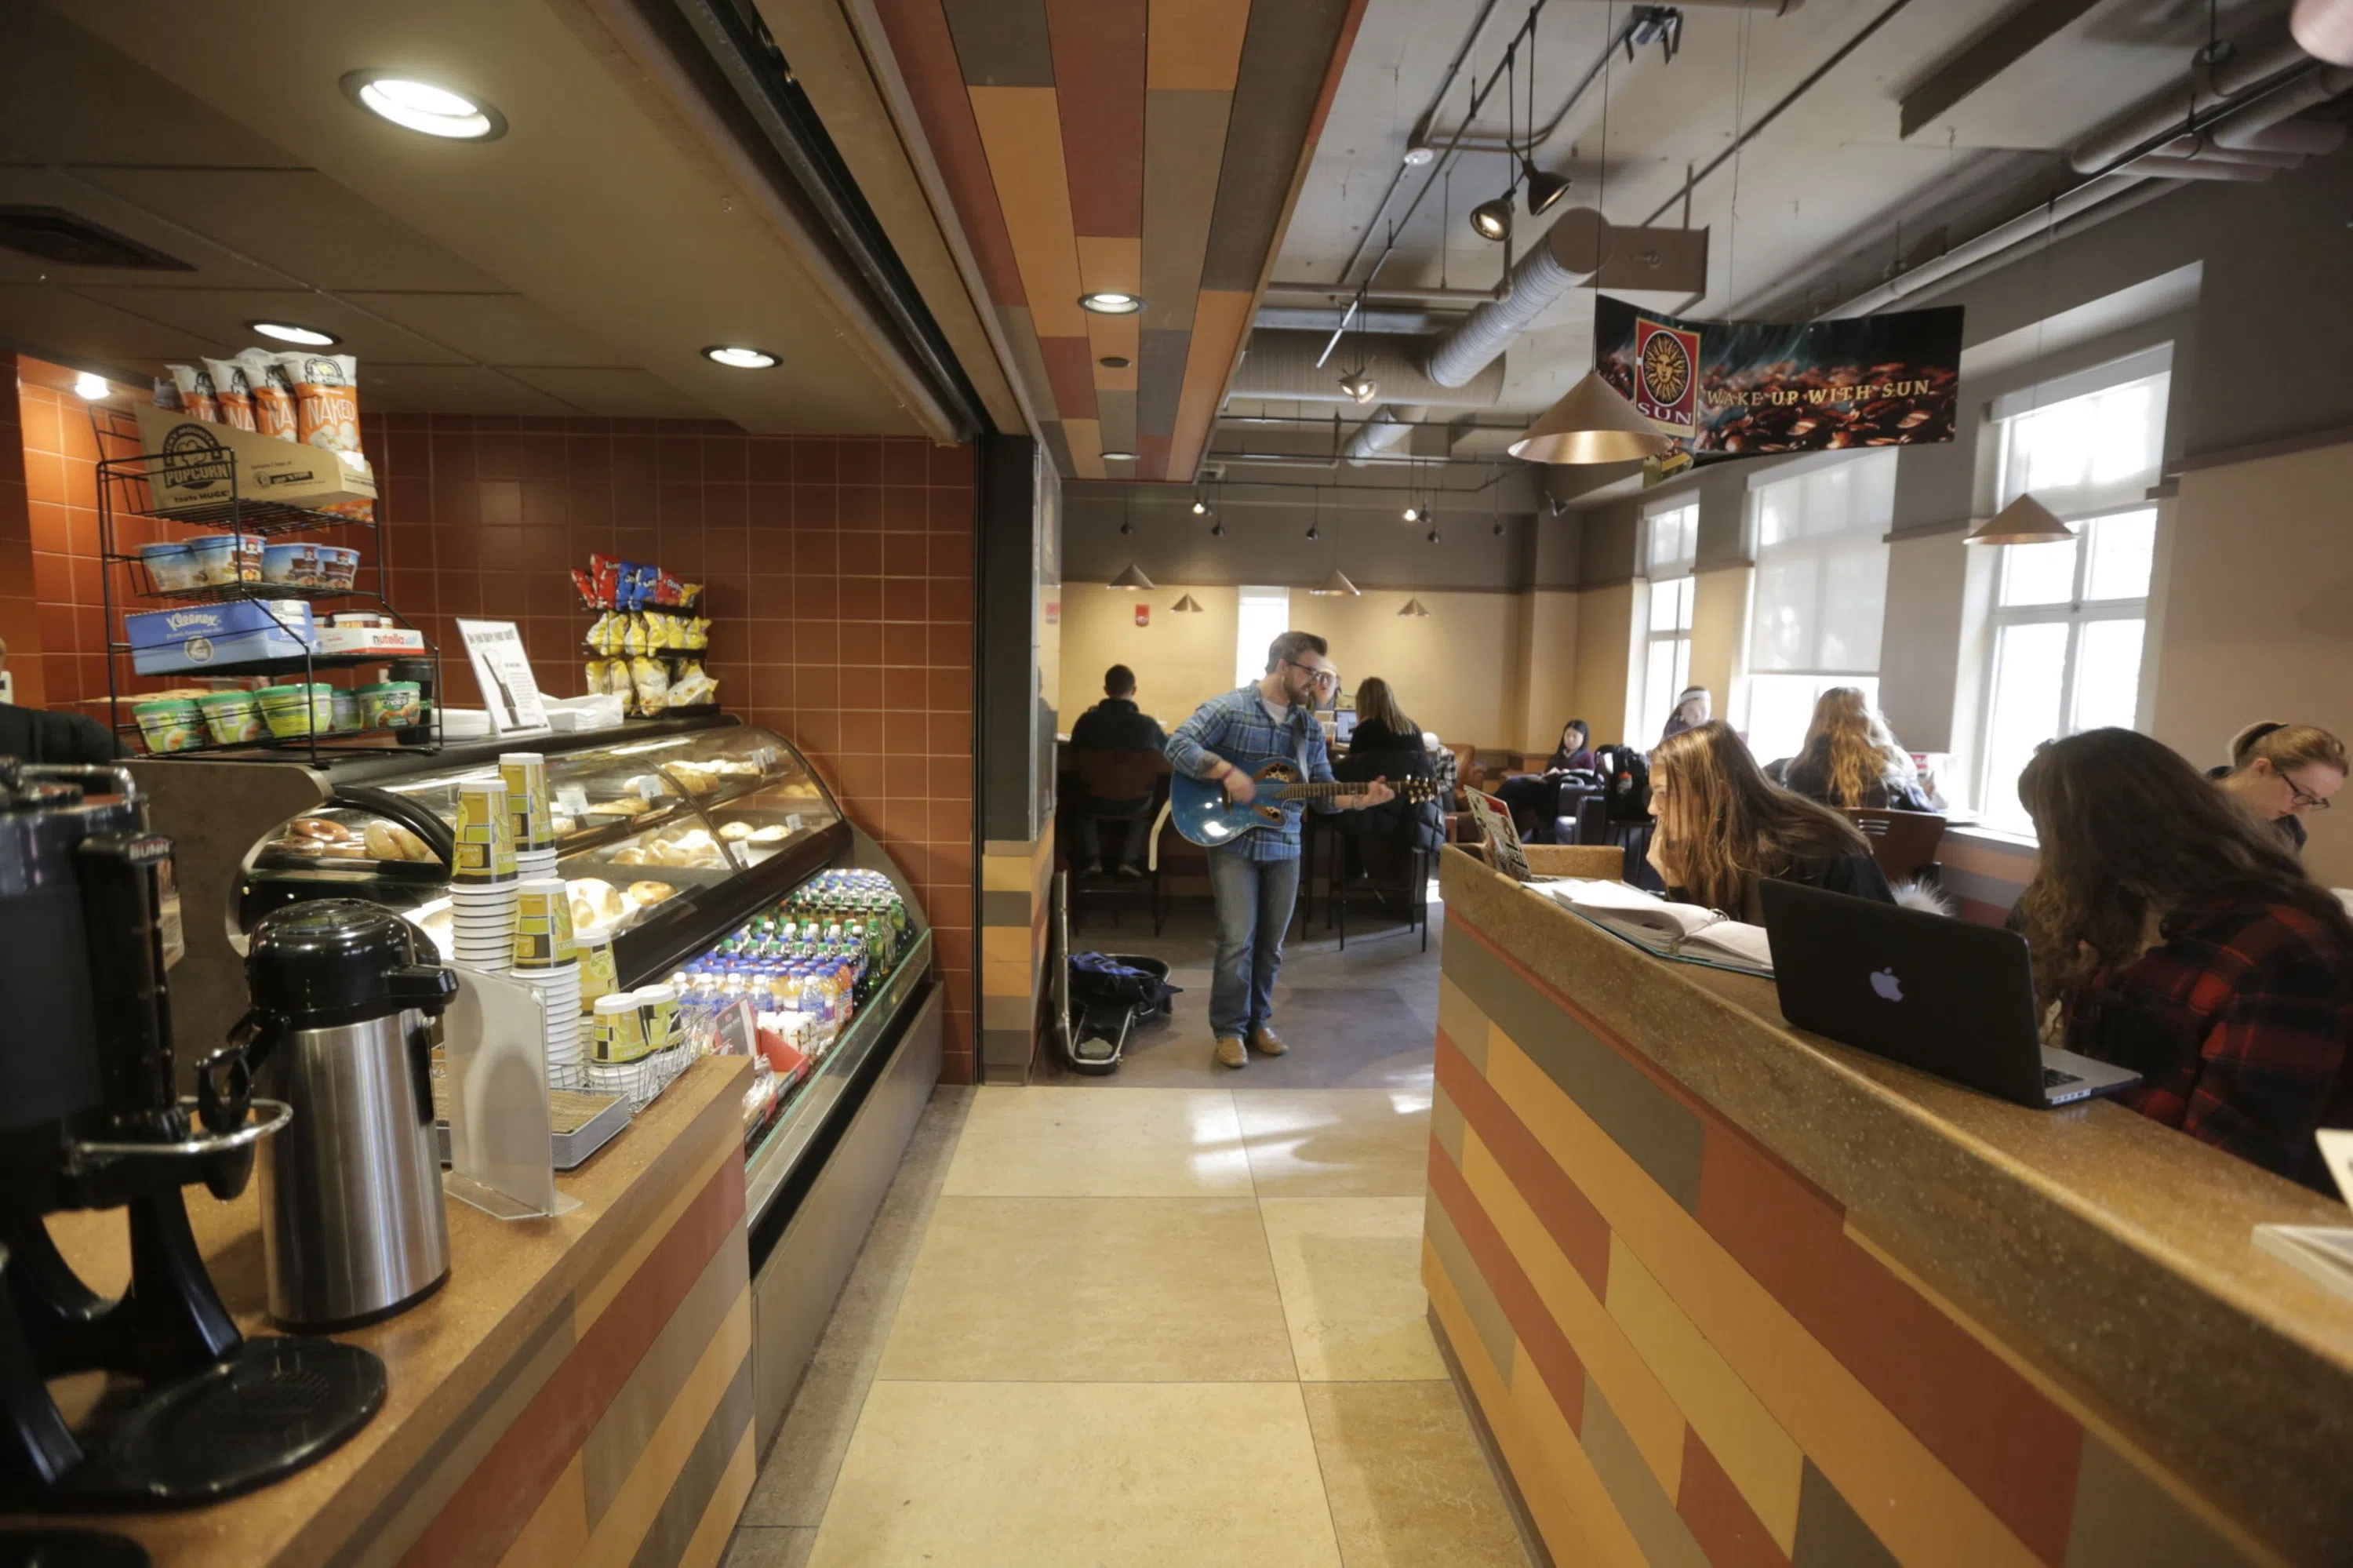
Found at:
(233, 391)
(196, 388)
(232, 718)
(173, 566)
(346, 711)
(293, 711)
(169, 724)
(326, 399)
(295, 564)
(216, 558)
(390, 704)
(272, 393)
(338, 567)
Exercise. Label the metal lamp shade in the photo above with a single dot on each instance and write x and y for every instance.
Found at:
(1413, 607)
(1132, 577)
(1188, 605)
(1593, 424)
(1337, 583)
(2024, 521)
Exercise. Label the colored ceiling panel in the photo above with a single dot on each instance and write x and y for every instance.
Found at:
(1150, 146)
(1002, 43)
(1099, 78)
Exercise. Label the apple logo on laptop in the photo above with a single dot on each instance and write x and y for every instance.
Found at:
(1884, 982)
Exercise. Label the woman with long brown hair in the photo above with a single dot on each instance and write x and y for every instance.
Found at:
(1850, 757)
(1381, 723)
(1724, 829)
(2182, 939)
(2281, 771)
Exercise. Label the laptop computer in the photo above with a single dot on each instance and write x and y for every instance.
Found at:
(1949, 997)
(1343, 725)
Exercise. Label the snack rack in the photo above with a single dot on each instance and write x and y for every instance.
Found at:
(125, 497)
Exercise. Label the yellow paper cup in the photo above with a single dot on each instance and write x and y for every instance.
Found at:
(485, 835)
(618, 1033)
(598, 977)
(542, 924)
(529, 819)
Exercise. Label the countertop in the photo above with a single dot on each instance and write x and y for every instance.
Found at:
(506, 1280)
(2113, 1254)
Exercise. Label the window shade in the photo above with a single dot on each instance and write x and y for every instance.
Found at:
(2088, 453)
(1821, 568)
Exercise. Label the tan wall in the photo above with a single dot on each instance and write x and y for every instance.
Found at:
(1719, 655)
(1459, 670)
(1552, 671)
(1605, 631)
(2256, 624)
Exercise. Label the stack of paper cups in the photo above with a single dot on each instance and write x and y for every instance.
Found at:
(531, 820)
(482, 878)
(543, 942)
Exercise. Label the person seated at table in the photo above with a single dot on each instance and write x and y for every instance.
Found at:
(1444, 767)
(1852, 758)
(1386, 744)
(1534, 797)
(1724, 829)
(1692, 705)
(1115, 724)
(2281, 771)
(1381, 723)
(2180, 938)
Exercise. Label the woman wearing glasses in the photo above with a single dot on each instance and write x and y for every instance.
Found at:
(2282, 772)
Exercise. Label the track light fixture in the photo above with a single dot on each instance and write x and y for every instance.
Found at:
(1544, 186)
(1359, 387)
(1492, 220)
(1200, 507)
(1413, 514)
(1217, 529)
(1498, 529)
(1314, 532)
(1432, 534)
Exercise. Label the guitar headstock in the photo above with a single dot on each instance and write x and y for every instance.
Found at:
(1416, 792)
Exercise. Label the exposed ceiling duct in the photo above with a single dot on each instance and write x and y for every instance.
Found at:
(1571, 251)
(2253, 139)
(2208, 89)
(1281, 366)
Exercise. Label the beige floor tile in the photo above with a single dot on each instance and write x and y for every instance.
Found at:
(1130, 1289)
(1084, 1143)
(1351, 1143)
(1408, 1488)
(1028, 1475)
(1350, 1274)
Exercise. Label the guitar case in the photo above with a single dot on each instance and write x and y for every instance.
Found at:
(1113, 994)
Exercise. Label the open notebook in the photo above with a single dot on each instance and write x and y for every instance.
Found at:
(1682, 931)
(2324, 1252)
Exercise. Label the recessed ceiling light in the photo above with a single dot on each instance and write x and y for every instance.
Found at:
(422, 107)
(90, 388)
(294, 333)
(1113, 362)
(737, 357)
(1119, 457)
(1110, 303)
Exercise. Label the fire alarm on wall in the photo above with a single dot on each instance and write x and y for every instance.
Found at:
(1142, 615)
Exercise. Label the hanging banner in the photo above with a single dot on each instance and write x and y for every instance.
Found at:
(1721, 390)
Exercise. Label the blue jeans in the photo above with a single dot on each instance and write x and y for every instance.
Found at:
(1255, 899)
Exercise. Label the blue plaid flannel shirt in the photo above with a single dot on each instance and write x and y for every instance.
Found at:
(1236, 728)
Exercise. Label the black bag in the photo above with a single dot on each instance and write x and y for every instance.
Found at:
(1626, 773)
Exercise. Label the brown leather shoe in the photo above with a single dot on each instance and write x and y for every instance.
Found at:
(1266, 1041)
(1230, 1052)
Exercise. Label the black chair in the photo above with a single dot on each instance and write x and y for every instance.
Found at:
(1134, 774)
(1386, 850)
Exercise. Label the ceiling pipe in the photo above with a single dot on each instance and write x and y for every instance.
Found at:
(1570, 253)
(1377, 435)
(2209, 88)
(2093, 202)
(1281, 366)
(2325, 28)
(2268, 124)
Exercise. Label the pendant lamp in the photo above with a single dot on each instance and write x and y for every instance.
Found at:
(1414, 607)
(1132, 579)
(1337, 583)
(2024, 521)
(1594, 423)
(1188, 605)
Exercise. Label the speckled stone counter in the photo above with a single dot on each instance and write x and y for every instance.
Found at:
(579, 1391)
(1725, 1292)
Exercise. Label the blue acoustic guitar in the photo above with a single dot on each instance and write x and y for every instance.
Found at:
(1204, 815)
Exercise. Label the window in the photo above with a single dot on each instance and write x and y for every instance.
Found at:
(1820, 594)
(2069, 618)
(1265, 615)
(1667, 551)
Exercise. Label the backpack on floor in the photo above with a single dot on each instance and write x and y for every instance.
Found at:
(1626, 776)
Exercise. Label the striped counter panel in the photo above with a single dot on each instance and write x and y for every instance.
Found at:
(1015, 899)
(1687, 1355)
(620, 1433)
(1984, 873)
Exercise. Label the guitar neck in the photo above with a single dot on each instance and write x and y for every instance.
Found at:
(1331, 792)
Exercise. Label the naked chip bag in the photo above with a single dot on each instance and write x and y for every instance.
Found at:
(273, 393)
(326, 399)
(233, 391)
(196, 385)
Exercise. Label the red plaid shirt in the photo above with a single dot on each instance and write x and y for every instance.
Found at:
(2239, 1021)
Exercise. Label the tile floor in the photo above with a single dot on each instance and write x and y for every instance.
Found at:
(1182, 1324)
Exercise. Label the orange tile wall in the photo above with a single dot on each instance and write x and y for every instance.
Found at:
(20, 625)
(839, 570)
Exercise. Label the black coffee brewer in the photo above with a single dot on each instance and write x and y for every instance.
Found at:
(90, 1118)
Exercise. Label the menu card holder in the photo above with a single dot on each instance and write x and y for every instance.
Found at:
(494, 1049)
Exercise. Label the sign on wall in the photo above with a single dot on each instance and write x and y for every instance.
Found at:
(1722, 391)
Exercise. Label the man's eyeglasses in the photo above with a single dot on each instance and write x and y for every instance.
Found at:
(1327, 678)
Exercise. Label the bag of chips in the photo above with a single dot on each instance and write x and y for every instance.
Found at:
(326, 399)
(233, 391)
(691, 687)
(196, 389)
(651, 679)
(273, 395)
